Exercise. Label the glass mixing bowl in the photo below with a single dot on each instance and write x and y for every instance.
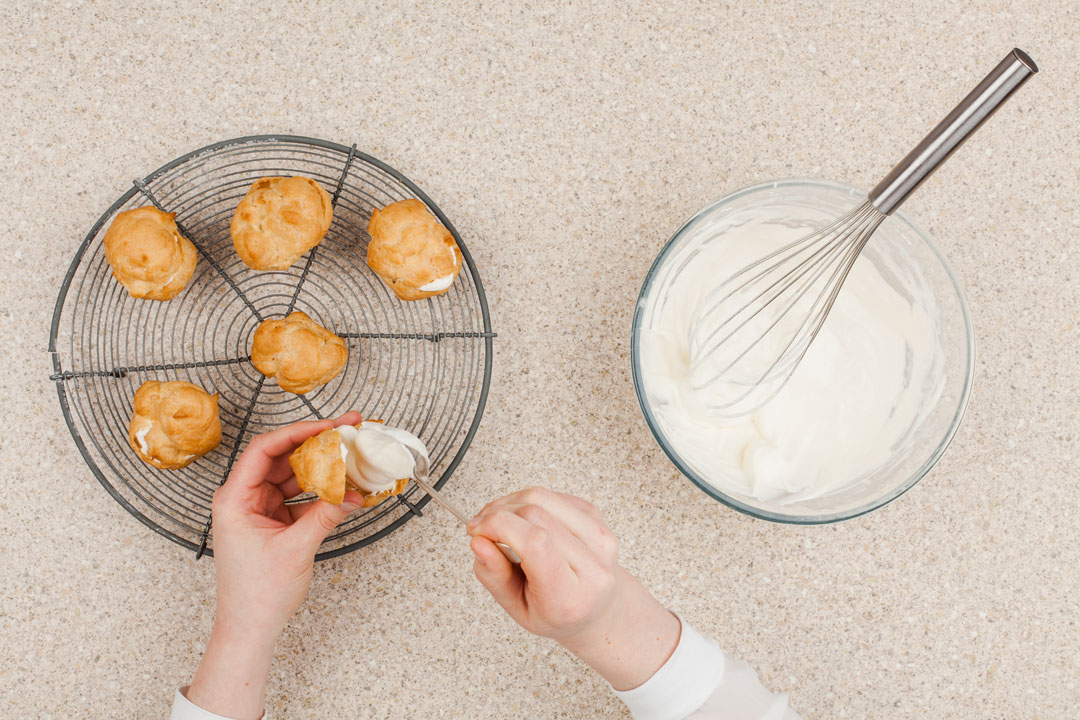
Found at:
(914, 263)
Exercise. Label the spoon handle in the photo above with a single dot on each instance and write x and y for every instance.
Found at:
(507, 551)
(438, 497)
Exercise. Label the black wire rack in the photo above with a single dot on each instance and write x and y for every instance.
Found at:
(423, 365)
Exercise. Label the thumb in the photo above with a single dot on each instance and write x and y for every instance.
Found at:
(318, 521)
(499, 577)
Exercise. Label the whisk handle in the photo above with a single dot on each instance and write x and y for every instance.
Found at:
(943, 140)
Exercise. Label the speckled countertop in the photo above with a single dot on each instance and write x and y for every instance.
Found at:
(567, 144)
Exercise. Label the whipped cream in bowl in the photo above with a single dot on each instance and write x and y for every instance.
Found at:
(873, 404)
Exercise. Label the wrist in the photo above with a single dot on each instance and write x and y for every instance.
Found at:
(231, 679)
(245, 630)
(631, 641)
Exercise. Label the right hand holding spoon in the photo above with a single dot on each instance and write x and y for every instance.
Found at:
(570, 586)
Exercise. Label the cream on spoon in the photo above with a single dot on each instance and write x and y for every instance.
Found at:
(376, 457)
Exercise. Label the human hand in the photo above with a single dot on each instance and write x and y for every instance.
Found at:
(570, 586)
(264, 552)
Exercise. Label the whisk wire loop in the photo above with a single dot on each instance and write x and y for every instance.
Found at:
(716, 298)
(762, 391)
(790, 277)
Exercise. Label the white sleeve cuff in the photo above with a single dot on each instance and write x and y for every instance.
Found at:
(682, 684)
(184, 709)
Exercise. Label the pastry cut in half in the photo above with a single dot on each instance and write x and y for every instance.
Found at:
(298, 352)
(411, 250)
(280, 219)
(174, 423)
(148, 255)
(370, 458)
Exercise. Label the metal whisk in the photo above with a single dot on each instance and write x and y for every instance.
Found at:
(748, 334)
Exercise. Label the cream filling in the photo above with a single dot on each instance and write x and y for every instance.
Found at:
(140, 436)
(144, 447)
(438, 284)
(376, 456)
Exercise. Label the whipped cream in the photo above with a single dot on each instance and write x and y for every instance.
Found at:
(140, 436)
(438, 284)
(873, 373)
(376, 457)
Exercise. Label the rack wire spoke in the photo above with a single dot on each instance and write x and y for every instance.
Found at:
(425, 365)
(119, 372)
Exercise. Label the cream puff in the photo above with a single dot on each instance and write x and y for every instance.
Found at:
(411, 251)
(174, 423)
(279, 220)
(370, 458)
(148, 255)
(299, 353)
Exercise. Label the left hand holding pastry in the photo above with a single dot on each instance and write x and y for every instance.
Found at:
(264, 552)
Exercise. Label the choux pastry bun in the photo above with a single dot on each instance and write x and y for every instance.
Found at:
(299, 353)
(370, 458)
(148, 255)
(174, 423)
(279, 220)
(411, 251)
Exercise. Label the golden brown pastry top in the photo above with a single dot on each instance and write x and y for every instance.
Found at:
(410, 249)
(174, 423)
(298, 352)
(279, 220)
(320, 469)
(148, 255)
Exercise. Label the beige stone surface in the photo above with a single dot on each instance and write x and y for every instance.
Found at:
(567, 143)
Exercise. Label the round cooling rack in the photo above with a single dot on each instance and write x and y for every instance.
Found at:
(424, 366)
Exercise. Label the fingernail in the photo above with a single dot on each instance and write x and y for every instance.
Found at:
(480, 558)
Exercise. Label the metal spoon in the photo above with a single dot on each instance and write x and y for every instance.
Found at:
(422, 476)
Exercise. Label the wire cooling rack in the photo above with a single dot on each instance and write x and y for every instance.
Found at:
(424, 365)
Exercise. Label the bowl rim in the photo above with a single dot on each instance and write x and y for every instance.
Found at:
(688, 473)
